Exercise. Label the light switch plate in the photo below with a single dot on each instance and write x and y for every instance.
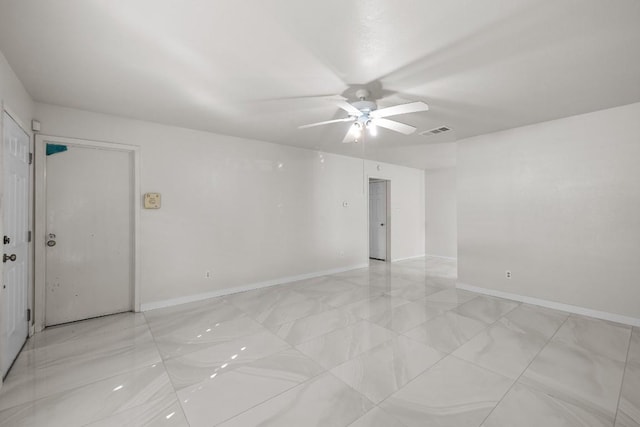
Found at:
(152, 201)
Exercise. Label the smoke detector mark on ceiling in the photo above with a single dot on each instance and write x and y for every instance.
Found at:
(435, 131)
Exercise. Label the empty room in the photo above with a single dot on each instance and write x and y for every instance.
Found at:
(333, 213)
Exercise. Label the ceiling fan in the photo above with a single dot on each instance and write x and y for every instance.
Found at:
(364, 114)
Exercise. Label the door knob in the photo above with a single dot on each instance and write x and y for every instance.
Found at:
(51, 243)
(382, 225)
(6, 257)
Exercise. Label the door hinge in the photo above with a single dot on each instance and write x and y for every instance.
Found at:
(30, 158)
(29, 236)
(28, 315)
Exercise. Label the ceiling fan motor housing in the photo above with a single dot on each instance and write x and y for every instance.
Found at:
(363, 105)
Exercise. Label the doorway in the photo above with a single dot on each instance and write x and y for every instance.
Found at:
(15, 272)
(87, 229)
(379, 241)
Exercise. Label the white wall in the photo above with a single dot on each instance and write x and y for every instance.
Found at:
(558, 203)
(249, 211)
(441, 237)
(13, 94)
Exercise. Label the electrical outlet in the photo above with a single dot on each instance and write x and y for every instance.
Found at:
(207, 275)
(507, 274)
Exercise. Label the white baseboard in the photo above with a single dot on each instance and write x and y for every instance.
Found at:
(408, 258)
(442, 257)
(618, 318)
(250, 287)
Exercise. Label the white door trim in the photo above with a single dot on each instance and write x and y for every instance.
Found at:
(389, 225)
(40, 216)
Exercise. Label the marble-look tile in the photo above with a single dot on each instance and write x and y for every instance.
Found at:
(634, 346)
(596, 336)
(383, 370)
(35, 377)
(441, 267)
(444, 272)
(323, 401)
(577, 376)
(391, 283)
(440, 306)
(85, 329)
(247, 299)
(629, 407)
(453, 393)
(336, 347)
(199, 314)
(307, 328)
(280, 307)
(531, 319)
(415, 274)
(160, 413)
(64, 375)
(359, 293)
(185, 338)
(320, 282)
(486, 309)
(406, 316)
(200, 365)
(509, 345)
(335, 292)
(413, 291)
(502, 350)
(453, 297)
(376, 418)
(442, 282)
(371, 306)
(227, 394)
(526, 407)
(447, 331)
(361, 276)
(624, 420)
(88, 346)
(92, 402)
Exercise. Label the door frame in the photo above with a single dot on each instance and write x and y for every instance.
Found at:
(5, 108)
(41, 211)
(387, 182)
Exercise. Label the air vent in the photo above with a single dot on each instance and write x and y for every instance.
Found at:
(435, 131)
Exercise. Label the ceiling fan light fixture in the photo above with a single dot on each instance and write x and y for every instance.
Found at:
(367, 118)
(372, 128)
(356, 129)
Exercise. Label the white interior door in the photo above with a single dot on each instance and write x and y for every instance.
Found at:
(89, 227)
(378, 220)
(15, 274)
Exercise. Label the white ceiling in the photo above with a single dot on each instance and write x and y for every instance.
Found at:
(246, 67)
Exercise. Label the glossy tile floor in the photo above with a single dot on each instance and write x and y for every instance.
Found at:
(391, 346)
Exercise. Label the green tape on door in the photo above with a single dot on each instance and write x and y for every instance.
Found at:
(55, 148)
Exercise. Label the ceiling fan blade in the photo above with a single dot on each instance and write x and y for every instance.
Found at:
(412, 107)
(346, 119)
(353, 111)
(349, 137)
(393, 125)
